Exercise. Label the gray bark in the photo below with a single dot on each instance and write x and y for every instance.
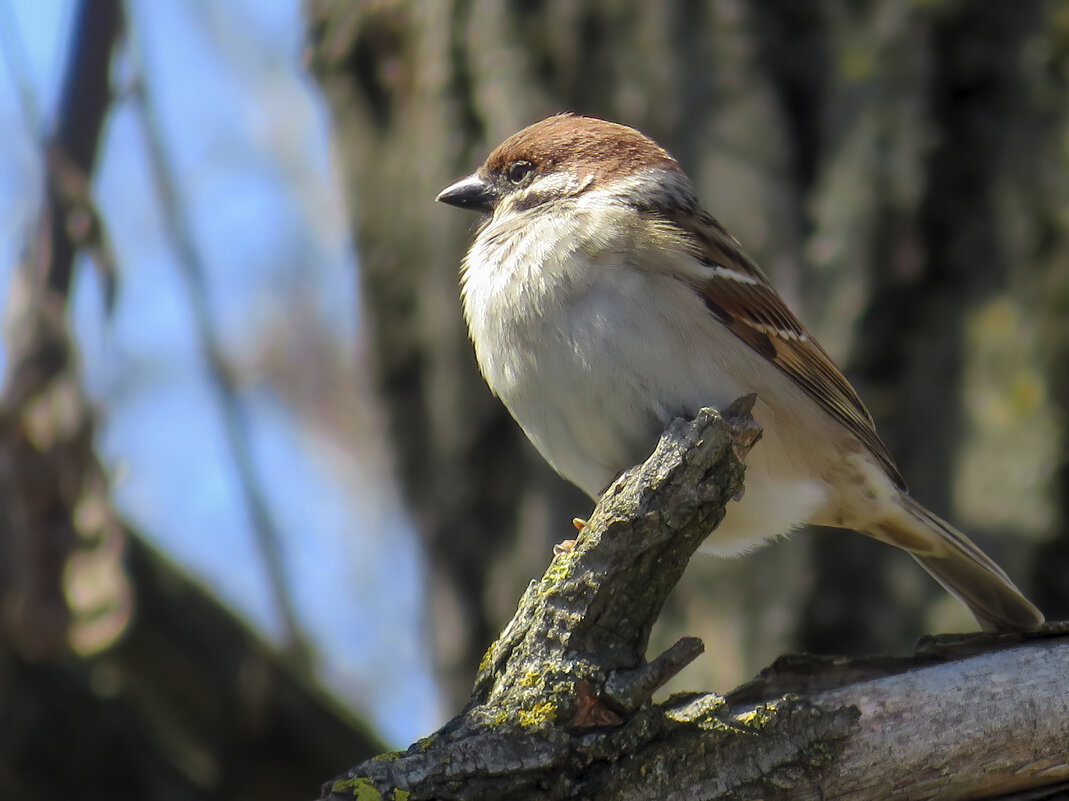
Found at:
(561, 705)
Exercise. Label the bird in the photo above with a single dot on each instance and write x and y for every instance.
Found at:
(603, 301)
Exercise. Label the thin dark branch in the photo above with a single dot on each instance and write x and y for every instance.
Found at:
(47, 462)
(84, 102)
(235, 422)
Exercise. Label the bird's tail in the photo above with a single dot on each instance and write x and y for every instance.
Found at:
(962, 568)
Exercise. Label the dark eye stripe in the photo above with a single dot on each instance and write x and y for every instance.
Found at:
(531, 198)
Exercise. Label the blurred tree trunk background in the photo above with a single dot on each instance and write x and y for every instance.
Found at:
(120, 676)
(899, 169)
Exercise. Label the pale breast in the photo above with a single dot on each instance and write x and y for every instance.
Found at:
(594, 356)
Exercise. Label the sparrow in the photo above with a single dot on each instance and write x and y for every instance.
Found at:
(603, 301)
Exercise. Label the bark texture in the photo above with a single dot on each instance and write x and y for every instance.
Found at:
(561, 705)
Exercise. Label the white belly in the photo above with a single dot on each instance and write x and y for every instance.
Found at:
(587, 379)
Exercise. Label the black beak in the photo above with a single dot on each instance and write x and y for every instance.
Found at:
(469, 193)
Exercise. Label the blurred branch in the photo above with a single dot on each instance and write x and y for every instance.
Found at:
(84, 104)
(177, 700)
(234, 419)
(471, 483)
(53, 493)
(560, 707)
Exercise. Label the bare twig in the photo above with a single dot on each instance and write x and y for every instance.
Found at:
(235, 423)
(630, 689)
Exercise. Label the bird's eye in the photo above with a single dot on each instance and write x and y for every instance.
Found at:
(519, 170)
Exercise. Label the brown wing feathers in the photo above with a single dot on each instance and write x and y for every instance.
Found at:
(753, 311)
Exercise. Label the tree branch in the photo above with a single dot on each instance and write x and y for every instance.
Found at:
(48, 469)
(234, 419)
(560, 707)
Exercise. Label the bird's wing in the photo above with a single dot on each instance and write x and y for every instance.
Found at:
(742, 298)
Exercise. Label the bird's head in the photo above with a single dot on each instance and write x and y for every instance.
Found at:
(562, 156)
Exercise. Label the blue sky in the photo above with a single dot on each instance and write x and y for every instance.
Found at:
(247, 151)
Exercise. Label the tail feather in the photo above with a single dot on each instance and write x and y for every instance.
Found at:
(962, 568)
